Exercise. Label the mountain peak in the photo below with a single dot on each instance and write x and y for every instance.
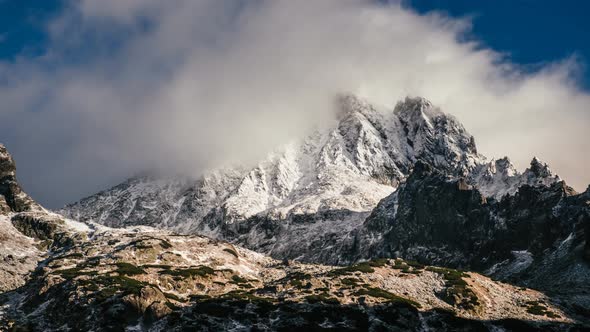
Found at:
(415, 108)
(505, 167)
(539, 168)
(7, 166)
(350, 105)
(416, 102)
(12, 198)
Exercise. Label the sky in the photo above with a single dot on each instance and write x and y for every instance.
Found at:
(94, 91)
(529, 32)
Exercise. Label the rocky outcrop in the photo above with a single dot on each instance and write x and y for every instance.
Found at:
(37, 225)
(536, 237)
(48, 228)
(150, 303)
(12, 198)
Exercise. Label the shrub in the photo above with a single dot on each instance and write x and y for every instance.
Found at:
(73, 272)
(363, 267)
(415, 264)
(201, 271)
(172, 296)
(124, 268)
(378, 262)
(157, 266)
(322, 298)
(73, 255)
(381, 293)
(350, 282)
(536, 310)
(237, 279)
(240, 295)
(298, 276)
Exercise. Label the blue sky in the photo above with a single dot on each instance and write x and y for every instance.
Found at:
(529, 32)
(22, 27)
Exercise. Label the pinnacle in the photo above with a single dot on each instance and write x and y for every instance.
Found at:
(538, 168)
(348, 104)
(7, 166)
(413, 104)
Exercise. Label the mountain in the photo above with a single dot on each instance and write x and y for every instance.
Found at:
(537, 237)
(319, 188)
(309, 199)
(403, 183)
(89, 277)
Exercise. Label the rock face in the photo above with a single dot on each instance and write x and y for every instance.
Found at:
(537, 237)
(12, 198)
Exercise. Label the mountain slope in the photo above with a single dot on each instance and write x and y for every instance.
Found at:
(537, 237)
(146, 279)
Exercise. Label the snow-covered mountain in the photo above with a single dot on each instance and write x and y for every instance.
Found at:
(308, 197)
(58, 274)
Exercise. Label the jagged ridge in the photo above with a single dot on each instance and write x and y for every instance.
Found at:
(153, 280)
(334, 177)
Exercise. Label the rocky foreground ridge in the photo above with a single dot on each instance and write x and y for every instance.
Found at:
(69, 275)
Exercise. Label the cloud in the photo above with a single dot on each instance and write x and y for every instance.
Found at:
(188, 85)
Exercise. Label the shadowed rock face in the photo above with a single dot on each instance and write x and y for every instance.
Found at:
(537, 237)
(435, 211)
(12, 198)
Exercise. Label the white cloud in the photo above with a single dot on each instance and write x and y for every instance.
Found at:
(128, 85)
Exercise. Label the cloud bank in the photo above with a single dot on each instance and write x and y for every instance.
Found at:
(188, 85)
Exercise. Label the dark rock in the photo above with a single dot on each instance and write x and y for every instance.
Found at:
(36, 225)
(12, 198)
(538, 237)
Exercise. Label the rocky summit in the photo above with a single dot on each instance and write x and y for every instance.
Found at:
(320, 188)
(391, 220)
